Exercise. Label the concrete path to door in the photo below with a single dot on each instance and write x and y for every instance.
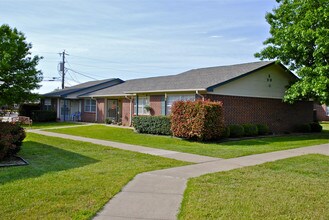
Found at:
(158, 194)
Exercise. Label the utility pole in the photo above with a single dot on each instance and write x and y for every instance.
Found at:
(62, 68)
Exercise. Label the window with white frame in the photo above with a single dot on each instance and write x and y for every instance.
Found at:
(143, 105)
(90, 105)
(47, 104)
(173, 98)
(327, 108)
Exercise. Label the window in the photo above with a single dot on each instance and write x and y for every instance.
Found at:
(90, 105)
(143, 102)
(327, 110)
(47, 104)
(172, 98)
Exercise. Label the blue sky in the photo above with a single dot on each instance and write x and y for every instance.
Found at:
(138, 38)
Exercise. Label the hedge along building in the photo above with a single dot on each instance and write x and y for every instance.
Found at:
(251, 93)
(69, 106)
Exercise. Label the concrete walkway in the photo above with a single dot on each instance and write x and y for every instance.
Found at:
(146, 150)
(158, 194)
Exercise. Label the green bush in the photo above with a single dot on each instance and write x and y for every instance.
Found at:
(236, 131)
(11, 138)
(43, 116)
(226, 132)
(200, 120)
(303, 128)
(315, 127)
(108, 120)
(27, 109)
(152, 124)
(263, 129)
(250, 130)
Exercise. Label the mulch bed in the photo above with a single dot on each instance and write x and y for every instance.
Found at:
(13, 161)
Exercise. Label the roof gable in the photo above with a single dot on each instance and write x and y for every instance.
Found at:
(196, 79)
(75, 91)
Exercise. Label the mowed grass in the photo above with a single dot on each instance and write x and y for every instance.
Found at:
(68, 179)
(295, 188)
(43, 125)
(222, 150)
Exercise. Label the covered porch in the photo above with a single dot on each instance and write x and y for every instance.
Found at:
(69, 110)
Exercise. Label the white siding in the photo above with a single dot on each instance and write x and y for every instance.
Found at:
(269, 82)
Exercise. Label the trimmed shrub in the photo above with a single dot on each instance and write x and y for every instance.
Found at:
(43, 115)
(11, 138)
(236, 131)
(263, 129)
(250, 130)
(226, 132)
(315, 127)
(27, 109)
(303, 128)
(152, 124)
(108, 120)
(199, 120)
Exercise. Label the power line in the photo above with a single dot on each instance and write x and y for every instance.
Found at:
(82, 74)
(89, 58)
(75, 78)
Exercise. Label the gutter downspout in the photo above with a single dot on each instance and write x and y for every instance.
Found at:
(197, 92)
(130, 110)
(165, 104)
(96, 109)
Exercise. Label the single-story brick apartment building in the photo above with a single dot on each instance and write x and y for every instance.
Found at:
(250, 92)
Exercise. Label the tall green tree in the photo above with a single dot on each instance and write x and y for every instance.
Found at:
(300, 40)
(18, 69)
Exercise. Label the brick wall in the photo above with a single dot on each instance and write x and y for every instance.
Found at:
(321, 114)
(277, 115)
(100, 110)
(86, 116)
(126, 111)
(155, 104)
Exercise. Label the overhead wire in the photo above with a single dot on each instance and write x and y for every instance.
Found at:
(82, 74)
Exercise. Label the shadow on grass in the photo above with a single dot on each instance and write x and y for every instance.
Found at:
(272, 140)
(324, 135)
(43, 159)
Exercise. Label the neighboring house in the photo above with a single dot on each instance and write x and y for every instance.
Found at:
(322, 112)
(250, 92)
(69, 106)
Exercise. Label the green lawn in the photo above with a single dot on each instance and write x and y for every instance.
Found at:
(68, 179)
(222, 150)
(43, 125)
(295, 188)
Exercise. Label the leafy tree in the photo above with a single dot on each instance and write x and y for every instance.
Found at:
(17, 68)
(300, 40)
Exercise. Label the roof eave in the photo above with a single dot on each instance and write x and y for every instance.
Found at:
(165, 90)
(211, 88)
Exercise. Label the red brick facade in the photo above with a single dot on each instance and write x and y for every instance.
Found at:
(155, 104)
(87, 116)
(321, 113)
(100, 106)
(277, 115)
(126, 111)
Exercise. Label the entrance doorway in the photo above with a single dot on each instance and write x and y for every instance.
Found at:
(113, 110)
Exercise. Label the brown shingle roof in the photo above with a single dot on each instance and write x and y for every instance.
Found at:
(196, 79)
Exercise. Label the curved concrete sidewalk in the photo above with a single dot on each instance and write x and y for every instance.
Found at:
(146, 150)
(158, 194)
